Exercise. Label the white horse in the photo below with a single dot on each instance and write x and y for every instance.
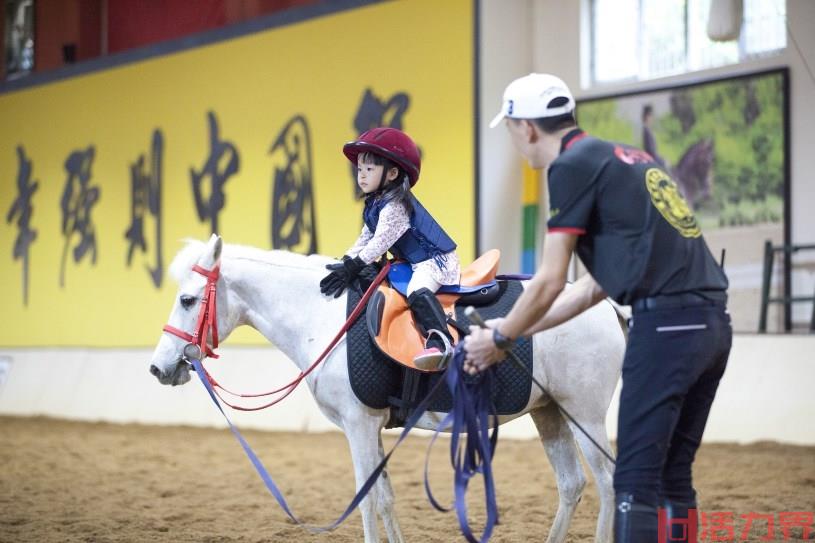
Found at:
(277, 293)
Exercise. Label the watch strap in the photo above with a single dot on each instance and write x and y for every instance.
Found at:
(501, 341)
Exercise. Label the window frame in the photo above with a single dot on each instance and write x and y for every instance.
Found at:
(743, 54)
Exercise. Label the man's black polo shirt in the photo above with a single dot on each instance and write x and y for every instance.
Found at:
(638, 236)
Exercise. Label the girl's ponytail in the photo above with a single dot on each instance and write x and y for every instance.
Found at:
(399, 191)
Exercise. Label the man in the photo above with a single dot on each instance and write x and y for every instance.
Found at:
(649, 142)
(642, 247)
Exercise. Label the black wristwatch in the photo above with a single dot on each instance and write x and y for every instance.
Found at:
(501, 341)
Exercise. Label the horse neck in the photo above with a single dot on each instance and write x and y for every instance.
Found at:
(281, 302)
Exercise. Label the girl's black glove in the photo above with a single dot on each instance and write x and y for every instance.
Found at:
(341, 275)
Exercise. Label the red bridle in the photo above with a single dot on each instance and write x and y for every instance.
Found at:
(207, 324)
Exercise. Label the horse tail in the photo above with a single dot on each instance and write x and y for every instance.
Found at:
(623, 316)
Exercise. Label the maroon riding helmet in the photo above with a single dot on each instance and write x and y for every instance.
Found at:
(390, 143)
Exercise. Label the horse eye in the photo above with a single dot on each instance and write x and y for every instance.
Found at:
(187, 301)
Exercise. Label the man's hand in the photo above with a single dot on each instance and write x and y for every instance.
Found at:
(495, 323)
(481, 350)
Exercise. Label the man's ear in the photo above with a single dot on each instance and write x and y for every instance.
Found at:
(530, 131)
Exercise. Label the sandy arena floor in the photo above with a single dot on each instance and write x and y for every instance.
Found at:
(69, 481)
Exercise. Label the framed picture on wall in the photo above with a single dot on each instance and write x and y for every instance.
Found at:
(725, 142)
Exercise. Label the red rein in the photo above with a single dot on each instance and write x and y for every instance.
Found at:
(207, 326)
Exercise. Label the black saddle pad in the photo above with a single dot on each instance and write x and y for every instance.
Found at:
(375, 378)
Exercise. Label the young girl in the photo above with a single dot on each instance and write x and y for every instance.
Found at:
(388, 165)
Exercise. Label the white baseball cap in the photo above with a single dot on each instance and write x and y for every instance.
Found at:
(529, 97)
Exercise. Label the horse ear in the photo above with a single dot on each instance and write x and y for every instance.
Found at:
(216, 254)
(212, 254)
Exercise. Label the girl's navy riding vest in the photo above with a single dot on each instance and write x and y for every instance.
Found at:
(424, 239)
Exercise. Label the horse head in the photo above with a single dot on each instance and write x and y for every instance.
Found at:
(169, 362)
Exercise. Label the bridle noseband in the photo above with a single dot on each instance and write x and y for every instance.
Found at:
(207, 323)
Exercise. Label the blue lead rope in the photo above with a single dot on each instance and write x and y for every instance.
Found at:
(471, 413)
(270, 484)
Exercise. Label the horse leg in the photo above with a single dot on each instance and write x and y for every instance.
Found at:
(558, 442)
(362, 439)
(363, 434)
(603, 470)
(385, 502)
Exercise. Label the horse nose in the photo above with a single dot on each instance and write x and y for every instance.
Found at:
(154, 370)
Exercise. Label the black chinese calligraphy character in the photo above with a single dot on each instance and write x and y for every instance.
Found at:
(293, 226)
(221, 153)
(23, 209)
(145, 203)
(78, 198)
(374, 112)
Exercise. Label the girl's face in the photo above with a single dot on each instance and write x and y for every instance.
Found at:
(369, 175)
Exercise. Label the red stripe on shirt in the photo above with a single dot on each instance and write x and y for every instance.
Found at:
(568, 230)
(574, 140)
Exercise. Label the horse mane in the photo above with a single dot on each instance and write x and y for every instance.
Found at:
(193, 249)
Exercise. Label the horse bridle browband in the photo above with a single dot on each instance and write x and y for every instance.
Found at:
(207, 323)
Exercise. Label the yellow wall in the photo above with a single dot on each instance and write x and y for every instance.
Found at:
(254, 84)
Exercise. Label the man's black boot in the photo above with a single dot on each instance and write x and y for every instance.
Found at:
(634, 522)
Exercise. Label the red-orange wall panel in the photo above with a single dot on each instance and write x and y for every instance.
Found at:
(55, 24)
(133, 23)
(138, 23)
(67, 22)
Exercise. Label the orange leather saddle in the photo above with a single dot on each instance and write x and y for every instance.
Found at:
(390, 321)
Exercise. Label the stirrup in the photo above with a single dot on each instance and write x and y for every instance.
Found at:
(433, 359)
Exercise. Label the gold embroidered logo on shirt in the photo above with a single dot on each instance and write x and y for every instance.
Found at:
(670, 203)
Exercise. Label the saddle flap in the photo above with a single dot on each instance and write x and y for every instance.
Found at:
(391, 326)
(390, 321)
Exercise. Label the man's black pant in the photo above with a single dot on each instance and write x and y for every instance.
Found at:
(673, 363)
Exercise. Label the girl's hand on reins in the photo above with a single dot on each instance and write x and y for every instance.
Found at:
(342, 273)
